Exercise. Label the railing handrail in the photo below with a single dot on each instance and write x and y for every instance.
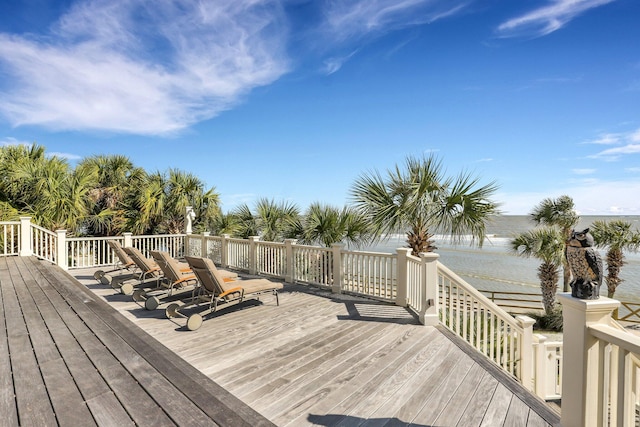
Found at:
(442, 269)
(44, 230)
(617, 337)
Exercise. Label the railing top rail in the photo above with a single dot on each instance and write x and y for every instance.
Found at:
(615, 336)
(442, 269)
(264, 243)
(9, 222)
(79, 239)
(44, 230)
(319, 248)
(378, 254)
(155, 236)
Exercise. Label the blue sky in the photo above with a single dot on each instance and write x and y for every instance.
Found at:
(293, 100)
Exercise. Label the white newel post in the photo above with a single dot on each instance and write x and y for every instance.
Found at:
(290, 264)
(253, 254)
(582, 394)
(26, 242)
(61, 249)
(128, 241)
(429, 313)
(204, 252)
(402, 279)
(336, 286)
(224, 250)
(526, 352)
(541, 369)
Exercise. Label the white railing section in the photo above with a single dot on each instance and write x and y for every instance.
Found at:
(620, 366)
(84, 252)
(10, 235)
(488, 328)
(43, 243)
(171, 243)
(238, 254)
(547, 365)
(313, 265)
(369, 273)
(271, 259)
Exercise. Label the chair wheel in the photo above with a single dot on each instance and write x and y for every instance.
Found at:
(172, 310)
(106, 279)
(98, 274)
(194, 322)
(152, 303)
(126, 289)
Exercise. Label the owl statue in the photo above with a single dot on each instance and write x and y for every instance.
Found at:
(585, 264)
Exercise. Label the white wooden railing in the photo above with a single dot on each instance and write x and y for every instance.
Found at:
(596, 355)
(10, 235)
(600, 381)
(506, 340)
(547, 365)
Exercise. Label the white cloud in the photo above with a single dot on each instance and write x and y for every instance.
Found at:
(583, 171)
(355, 18)
(615, 153)
(594, 198)
(606, 139)
(105, 68)
(67, 156)
(547, 19)
(8, 140)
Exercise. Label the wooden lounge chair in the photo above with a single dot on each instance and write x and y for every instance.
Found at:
(123, 262)
(178, 279)
(148, 268)
(216, 291)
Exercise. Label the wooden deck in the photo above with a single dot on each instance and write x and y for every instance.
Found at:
(68, 358)
(336, 360)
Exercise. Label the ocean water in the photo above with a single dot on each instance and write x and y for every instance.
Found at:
(494, 267)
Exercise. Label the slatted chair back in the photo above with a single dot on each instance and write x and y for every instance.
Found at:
(124, 258)
(207, 274)
(145, 264)
(173, 271)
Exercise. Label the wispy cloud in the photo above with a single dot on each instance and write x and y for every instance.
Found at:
(606, 139)
(8, 140)
(583, 171)
(347, 19)
(628, 143)
(547, 19)
(68, 156)
(128, 66)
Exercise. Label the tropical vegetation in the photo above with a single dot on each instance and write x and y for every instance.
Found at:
(101, 196)
(418, 199)
(546, 244)
(558, 213)
(617, 236)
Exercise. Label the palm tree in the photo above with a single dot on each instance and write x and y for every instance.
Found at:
(419, 200)
(559, 213)
(327, 225)
(617, 236)
(272, 221)
(546, 244)
(114, 175)
(157, 203)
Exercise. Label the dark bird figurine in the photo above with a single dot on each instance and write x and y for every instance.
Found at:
(585, 264)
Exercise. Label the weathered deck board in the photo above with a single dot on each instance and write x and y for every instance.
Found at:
(75, 361)
(324, 359)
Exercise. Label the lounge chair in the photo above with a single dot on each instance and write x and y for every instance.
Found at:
(215, 291)
(178, 279)
(148, 268)
(123, 262)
